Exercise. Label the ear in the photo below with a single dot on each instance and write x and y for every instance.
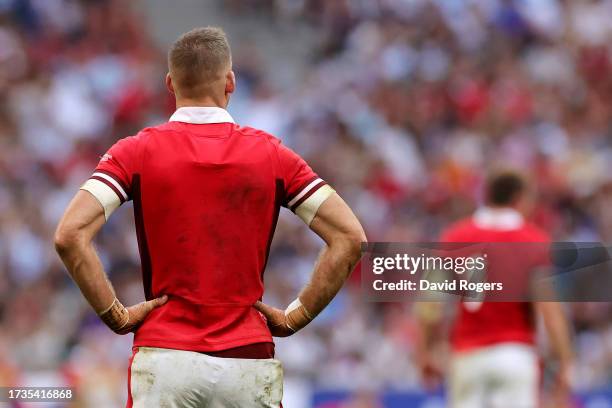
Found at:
(169, 85)
(230, 83)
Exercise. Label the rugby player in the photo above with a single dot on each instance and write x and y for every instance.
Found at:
(206, 194)
(494, 361)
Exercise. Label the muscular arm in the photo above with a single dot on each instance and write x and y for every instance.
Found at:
(74, 243)
(429, 317)
(336, 224)
(559, 337)
(557, 330)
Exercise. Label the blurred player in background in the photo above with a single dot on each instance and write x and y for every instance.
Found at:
(494, 363)
(206, 194)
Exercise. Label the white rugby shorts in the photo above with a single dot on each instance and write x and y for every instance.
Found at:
(497, 376)
(185, 379)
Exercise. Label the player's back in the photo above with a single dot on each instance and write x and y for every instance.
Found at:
(207, 194)
(485, 323)
(208, 200)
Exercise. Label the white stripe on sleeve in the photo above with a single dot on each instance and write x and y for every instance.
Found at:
(303, 192)
(113, 182)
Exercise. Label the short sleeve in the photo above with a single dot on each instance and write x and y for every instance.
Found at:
(305, 191)
(541, 253)
(110, 183)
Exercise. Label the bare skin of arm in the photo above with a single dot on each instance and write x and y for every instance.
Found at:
(336, 224)
(74, 243)
(558, 335)
(429, 316)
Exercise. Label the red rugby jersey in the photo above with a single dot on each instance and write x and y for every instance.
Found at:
(480, 324)
(207, 194)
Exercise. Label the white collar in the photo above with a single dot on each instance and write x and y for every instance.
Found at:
(498, 218)
(200, 115)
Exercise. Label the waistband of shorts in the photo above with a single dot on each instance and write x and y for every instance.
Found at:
(249, 351)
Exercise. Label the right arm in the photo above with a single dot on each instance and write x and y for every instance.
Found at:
(336, 224)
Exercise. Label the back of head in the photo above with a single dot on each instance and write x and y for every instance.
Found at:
(505, 188)
(199, 61)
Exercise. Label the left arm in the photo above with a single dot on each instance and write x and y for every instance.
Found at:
(74, 243)
(559, 336)
(429, 318)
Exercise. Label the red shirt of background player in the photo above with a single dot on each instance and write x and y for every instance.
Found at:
(488, 323)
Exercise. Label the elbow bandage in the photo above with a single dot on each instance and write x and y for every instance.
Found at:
(116, 316)
(297, 316)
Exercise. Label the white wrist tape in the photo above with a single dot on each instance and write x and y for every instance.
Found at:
(297, 315)
(116, 316)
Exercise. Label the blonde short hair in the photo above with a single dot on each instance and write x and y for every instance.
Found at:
(197, 59)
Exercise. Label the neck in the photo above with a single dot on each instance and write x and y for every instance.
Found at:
(510, 207)
(203, 102)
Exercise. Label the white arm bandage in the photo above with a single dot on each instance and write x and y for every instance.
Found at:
(308, 209)
(104, 194)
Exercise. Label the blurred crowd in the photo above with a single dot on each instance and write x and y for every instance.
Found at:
(403, 107)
